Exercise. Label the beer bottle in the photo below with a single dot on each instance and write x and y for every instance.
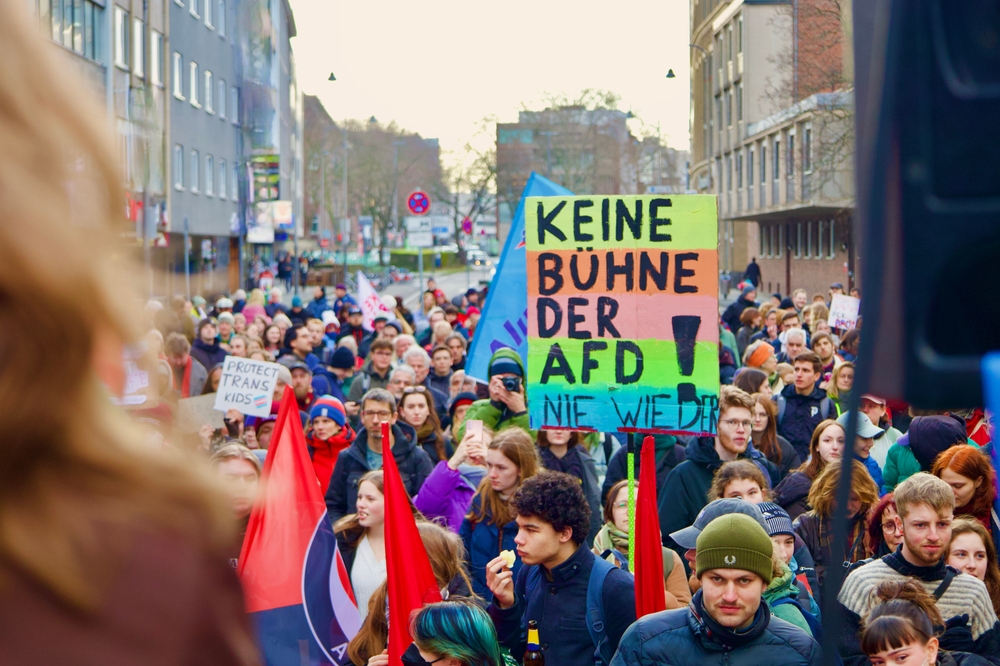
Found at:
(533, 655)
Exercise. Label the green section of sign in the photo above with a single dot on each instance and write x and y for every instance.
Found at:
(659, 360)
(688, 222)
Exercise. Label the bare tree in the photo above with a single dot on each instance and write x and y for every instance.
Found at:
(469, 185)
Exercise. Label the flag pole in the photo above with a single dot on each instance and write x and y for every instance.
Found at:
(630, 458)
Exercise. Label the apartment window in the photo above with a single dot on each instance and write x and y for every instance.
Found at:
(798, 240)
(121, 38)
(92, 15)
(195, 174)
(791, 155)
(193, 6)
(234, 105)
(718, 111)
(220, 97)
(209, 91)
(739, 170)
(776, 170)
(220, 16)
(739, 102)
(729, 107)
(209, 176)
(809, 240)
(179, 3)
(719, 182)
(208, 14)
(138, 47)
(156, 58)
(739, 33)
(729, 173)
(234, 183)
(178, 166)
(780, 235)
(831, 250)
(729, 42)
(772, 235)
(819, 239)
(222, 179)
(762, 239)
(750, 168)
(78, 26)
(67, 32)
(763, 166)
(178, 75)
(807, 150)
(193, 83)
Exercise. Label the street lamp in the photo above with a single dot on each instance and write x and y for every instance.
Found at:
(332, 77)
(670, 74)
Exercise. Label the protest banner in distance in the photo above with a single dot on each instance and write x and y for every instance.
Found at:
(844, 311)
(623, 312)
(371, 303)
(246, 386)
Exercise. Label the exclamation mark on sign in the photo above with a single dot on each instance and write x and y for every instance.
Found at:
(685, 333)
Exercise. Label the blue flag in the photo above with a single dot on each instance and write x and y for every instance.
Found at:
(504, 322)
(990, 370)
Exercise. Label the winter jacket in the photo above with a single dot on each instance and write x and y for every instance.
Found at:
(588, 478)
(916, 450)
(815, 533)
(791, 494)
(429, 445)
(731, 317)
(447, 494)
(802, 414)
(324, 452)
(442, 384)
(873, 469)
(495, 415)
(689, 636)
(790, 459)
(669, 454)
(784, 587)
(687, 485)
(559, 605)
(352, 464)
(318, 306)
(369, 379)
(743, 338)
(208, 355)
(483, 542)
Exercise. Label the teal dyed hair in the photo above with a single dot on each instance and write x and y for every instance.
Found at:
(457, 629)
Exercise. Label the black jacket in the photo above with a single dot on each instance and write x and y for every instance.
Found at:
(731, 317)
(802, 414)
(618, 465)
(791, 494)
(352, 463)
(208, 355)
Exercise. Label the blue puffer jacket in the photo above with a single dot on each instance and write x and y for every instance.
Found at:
(681, 637)
(483, 541)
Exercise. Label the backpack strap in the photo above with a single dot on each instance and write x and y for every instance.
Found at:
(595, 611)
(782, 403)
(949, 575)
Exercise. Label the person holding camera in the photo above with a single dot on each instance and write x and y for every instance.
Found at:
(506, 406)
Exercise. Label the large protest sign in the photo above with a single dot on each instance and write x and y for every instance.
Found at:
(623, 312)
(844, 311)
(247, 386)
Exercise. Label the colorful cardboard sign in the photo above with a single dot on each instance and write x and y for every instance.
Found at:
(623, 312)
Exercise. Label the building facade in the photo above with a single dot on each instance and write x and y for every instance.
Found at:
(772, 138)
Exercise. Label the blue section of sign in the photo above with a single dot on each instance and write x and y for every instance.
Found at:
(504, 322)
(990, 370)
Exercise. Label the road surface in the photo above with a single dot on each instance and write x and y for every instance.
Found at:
(452, 284)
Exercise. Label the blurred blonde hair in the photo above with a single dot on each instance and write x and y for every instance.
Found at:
(75, 481)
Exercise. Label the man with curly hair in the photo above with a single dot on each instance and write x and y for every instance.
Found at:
(582, 604)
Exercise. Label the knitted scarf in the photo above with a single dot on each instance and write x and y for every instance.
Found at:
(611, 538)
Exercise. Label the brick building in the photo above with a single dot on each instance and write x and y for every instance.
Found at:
(772, 136)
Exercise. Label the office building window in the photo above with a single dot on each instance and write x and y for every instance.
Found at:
(807, 150)
(763, 166)
(222, 179)
(92, 18)
(809, 240)
(776, 170)
(78, 26)
(195, 174)
(234, 183)
(762, 238)
(209, 92)
(750, 168)
(178, 166)
(208, 14)
(67, 32)
(739, 102)
(791, 155)
(832, 249)
(220, 17)
(178, 75)
(156, 58)
(729, 108)
(193, 83)
(819, 239)
(718, 111)
(138, 47)
(220, 98)
(193, 6)
(798, 240)
(780, 235)
(739, 33)
(234, 105)
(209, 176)
(121, 37)
(739, 169)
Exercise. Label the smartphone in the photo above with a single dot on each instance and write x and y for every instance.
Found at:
(476, 428)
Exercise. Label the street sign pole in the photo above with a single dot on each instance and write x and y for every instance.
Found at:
(187, 259)
(420, 268)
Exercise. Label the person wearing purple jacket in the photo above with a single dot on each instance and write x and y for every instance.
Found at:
(448, 491)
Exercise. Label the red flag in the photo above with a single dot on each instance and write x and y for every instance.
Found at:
(649, 596)
(296, 586)
(411, 580)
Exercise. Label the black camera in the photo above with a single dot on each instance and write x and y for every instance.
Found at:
(512, 384)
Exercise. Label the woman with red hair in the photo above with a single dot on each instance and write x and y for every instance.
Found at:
(882, 534)
(969, 473)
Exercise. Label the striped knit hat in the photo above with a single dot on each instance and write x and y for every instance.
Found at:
(329, 407)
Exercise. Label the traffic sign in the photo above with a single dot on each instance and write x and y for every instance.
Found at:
(418, 203)
(466, 226)
(418, 232)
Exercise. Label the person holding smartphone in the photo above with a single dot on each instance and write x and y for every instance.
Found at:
(506, 405)
(448, 491)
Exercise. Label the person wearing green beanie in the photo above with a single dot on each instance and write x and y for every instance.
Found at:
(727, 622)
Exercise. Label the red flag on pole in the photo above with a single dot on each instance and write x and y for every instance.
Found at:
(410, 578)
(649, 596)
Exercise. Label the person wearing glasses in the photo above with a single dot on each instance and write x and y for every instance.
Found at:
(416, 408)
(883, 535)
(690, 481)
(366, 451)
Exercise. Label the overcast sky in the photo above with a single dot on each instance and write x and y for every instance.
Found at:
(437, 67)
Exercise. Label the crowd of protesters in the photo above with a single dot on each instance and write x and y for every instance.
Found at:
(745, 516)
